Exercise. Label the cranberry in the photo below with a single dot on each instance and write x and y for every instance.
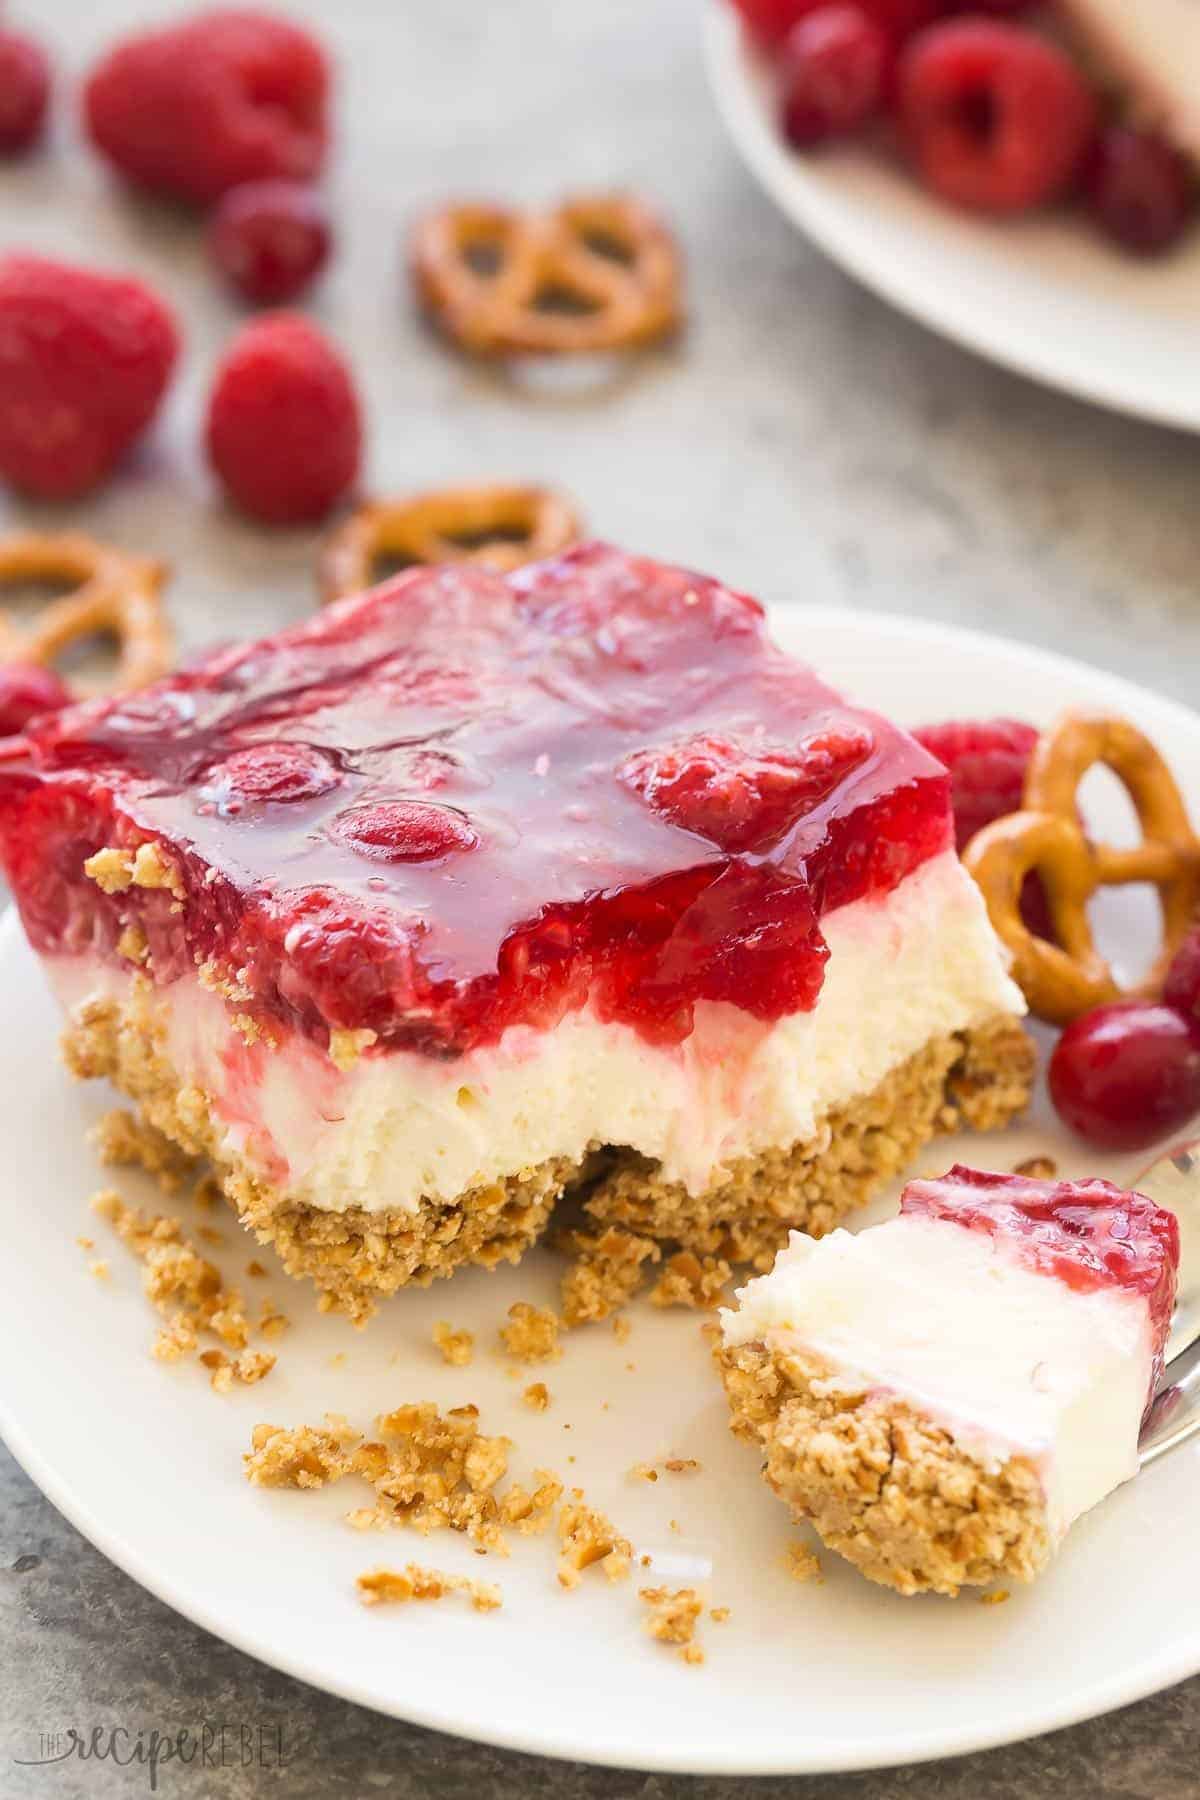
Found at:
(1181, 989)
(271, 773)
(270, 239)
(769, 21)
(1126, 1074)
(997, 118)
(740, 796)
(406, 831)
(832, 74)
(1139, 190)
(26, 692)
(24, 92)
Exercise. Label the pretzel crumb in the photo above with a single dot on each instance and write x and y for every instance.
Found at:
(111, 869)
(390, 1586)
(718, 1614)
(690, 1280)
(255, 1269)
(184, 1287)
(643, 1472)
(537, 1396)
(1037, 1168)
(532, 1333)
(672, 1618)
(621, 1328)
(457, 1347)
(100, 1268)
(996, 1598)
(802, 1563)
(587, 1537)
(606, 1272)
(123, 1141)
(86, 1243)
(345, 1047)
(132, 945)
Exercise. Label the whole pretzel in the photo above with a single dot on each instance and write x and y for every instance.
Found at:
(1064, 979)
(599, 273)
(114, 592)
(501, 527)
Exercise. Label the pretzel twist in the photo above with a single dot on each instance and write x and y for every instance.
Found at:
(1064, 979)
(115, 592)
(600, 273)
(500, 527)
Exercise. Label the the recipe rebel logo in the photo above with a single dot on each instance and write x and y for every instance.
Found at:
(235, 1744)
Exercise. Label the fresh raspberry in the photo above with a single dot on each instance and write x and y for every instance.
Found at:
(271, 774)
(987, 760)
(1181, 988)
(270, 239)
(405, 831)
(770, 21)
(284, 428)
(26, 692)
(226, 97)
(832, 72)
(84, 361)
(1139, 190)
(24, 92)
(744, 796)
(997, 118)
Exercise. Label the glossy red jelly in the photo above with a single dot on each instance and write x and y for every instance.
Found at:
(463, 801)
(1089, 1234)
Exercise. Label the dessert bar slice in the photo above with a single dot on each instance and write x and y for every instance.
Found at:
(943, 1395)
(474, 889)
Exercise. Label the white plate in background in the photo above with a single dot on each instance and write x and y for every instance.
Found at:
(1045, 295)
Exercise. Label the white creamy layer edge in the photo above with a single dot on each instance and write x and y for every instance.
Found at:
(398, 1127)
(1010, 1361)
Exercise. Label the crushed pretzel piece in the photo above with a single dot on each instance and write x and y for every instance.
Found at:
(690, 1280)
(532, 1333)
(457, 1347)
(1037, 1168)
(587, 1537)
(390, 1586)
(306, 1457)
(606, 1272)
(121, 1140)
(672, 1618)
(536, 1396)
(802, 1563)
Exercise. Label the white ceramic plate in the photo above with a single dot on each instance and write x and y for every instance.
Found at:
(146, 1460)
(1044, 296)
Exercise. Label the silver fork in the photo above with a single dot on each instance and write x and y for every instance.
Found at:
(1174, 1416)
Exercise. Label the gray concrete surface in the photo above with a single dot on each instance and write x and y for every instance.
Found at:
(805, 442)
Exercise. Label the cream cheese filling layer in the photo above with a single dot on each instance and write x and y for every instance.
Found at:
(397, 1127)
(1008, 1360)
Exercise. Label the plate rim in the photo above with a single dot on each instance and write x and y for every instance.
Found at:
(841, 1756)
(801, 196)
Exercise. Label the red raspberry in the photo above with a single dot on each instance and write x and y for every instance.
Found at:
(24, 92)
(270, 239)
(997, 118)
(769, 21)
(274, 774)
(832, 72)
(84, 361)
(987, 760)
(226, 97)
(1139, 189)
(26, 692)
(284, 428)
(741, 796)
(406, 831)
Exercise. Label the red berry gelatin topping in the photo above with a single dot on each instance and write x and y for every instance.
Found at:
(26, 692)
(462, 801)
(1089, 1234)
